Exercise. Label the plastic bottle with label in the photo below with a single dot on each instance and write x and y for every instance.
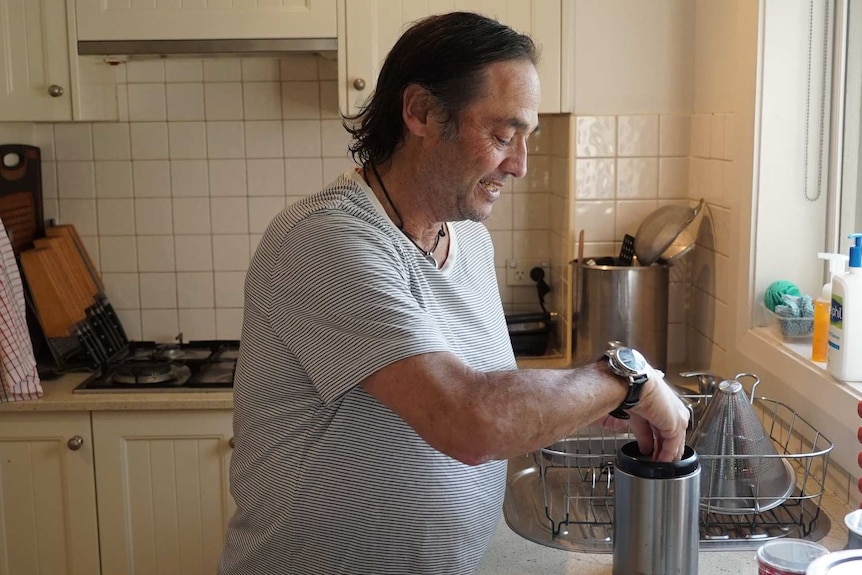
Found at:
(822, 306)
(844, 359)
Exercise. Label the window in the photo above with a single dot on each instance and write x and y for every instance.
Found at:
(850, 75)
(806, 190)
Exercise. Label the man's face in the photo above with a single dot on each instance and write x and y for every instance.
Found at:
(468, 171)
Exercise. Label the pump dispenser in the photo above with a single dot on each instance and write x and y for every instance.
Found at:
(822, 305)
(844, 360)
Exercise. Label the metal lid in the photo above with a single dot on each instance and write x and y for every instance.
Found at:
(847, 562)
(660, 228)
(630, 460)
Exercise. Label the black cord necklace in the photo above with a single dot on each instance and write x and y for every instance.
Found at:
(429, 254)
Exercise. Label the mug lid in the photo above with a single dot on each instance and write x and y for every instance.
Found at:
(790, 555)
(630, 460)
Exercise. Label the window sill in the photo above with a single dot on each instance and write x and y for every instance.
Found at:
(790, 376)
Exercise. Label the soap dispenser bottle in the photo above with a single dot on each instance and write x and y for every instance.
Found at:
(822, 306)
(844, 359)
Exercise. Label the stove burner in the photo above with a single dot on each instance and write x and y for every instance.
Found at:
(143, 371)
(153, 367)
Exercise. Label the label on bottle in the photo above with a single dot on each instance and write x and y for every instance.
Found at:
(836, 312)
(836, 321)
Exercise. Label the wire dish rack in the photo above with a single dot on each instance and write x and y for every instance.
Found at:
(573, 480)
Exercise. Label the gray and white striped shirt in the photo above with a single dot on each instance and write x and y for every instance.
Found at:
(326, 478)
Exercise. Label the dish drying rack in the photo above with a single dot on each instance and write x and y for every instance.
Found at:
(577, 487)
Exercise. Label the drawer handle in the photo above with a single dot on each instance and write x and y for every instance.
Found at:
(75, 443)
(55, 91)
(359, 84)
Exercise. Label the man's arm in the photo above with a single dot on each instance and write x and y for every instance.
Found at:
(476, 417)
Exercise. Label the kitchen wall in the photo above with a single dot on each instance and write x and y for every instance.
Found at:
(634, 71)
(171, 202)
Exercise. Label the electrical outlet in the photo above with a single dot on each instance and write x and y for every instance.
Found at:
(518, 272)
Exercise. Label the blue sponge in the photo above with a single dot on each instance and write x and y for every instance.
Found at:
(795, 315)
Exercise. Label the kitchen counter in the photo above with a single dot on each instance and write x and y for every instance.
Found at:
(511, 554)
(58, 396)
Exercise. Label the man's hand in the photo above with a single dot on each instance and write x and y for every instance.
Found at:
(659, 420)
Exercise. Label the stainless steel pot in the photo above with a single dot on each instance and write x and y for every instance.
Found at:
(622, 303)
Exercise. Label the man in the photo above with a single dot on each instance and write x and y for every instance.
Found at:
(377, 397)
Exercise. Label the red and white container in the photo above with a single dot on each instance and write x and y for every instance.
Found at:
(788, 556)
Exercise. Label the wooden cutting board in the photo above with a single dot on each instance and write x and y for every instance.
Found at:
(57, 309)
(21, 194)
(81, 287)
(69, 232)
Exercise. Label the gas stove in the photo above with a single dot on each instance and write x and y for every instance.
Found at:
(148, 366)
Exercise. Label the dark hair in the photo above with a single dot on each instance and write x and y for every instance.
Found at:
(446, 55)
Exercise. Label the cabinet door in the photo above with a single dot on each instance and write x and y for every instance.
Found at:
(34, 61)
(199, 20)
(369, 28)
(47, 495)
(162, 490)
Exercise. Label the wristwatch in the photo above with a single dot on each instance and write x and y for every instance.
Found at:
(630, 364)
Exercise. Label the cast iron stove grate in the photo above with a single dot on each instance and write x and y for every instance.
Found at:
(145, 366)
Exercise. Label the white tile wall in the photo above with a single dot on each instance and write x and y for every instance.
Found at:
(626, 166)
(172, 202)
(708, 289)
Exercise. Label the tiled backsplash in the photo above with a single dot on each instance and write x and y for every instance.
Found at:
(172, 200)
(625, 167)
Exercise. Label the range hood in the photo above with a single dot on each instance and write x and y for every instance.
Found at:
(192, 48)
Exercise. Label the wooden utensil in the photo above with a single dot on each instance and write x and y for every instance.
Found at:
(581, 247)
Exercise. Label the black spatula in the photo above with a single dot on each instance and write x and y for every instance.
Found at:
(627, 251)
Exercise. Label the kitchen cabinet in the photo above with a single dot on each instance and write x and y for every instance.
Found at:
(155, 20)
(34, 61)
(47, 494)
(367, 29)
(163, 494)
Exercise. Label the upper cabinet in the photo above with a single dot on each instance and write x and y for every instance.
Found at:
(34, 61)
(367, 30)
(200, 20)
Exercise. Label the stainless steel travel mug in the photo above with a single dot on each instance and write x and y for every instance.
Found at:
(656, 514)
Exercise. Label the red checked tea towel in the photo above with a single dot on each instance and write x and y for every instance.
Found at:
(19, 379)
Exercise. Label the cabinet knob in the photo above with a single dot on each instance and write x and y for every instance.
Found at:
(231, 443)
(359, 84)
(75, 443)
(55, 91)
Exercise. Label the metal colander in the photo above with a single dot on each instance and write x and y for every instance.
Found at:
(742, 471)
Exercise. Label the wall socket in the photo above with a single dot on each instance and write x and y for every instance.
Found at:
(518, 272)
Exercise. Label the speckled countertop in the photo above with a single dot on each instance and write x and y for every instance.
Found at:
(510, 554)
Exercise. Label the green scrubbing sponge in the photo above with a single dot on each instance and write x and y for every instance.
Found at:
(776, 289)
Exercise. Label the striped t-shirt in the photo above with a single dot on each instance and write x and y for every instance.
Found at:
(327, 479)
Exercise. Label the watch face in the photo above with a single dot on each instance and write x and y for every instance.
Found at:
(631, 359)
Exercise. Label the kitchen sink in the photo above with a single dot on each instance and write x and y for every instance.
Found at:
(563, 496)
